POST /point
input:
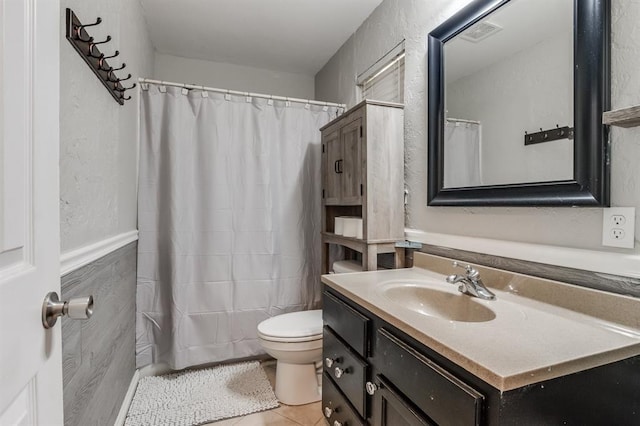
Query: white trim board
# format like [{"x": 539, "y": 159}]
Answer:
[
  {"x": 623, "y": 264},
  {"x": 75, "y": 259},
  {"x": 126, "y": 402}
]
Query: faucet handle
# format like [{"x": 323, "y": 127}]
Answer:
[
  {"x": 471, "y": 271},
  {"x": 458, "y": 265}
]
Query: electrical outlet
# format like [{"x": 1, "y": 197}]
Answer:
[
  {"x": 618, "y": 219},
  {"x": 617, "y": 234},
  {"x": 618, "y": 227}
]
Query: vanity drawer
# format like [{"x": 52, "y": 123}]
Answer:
[
  {"x": 348, "y": 323},
  {"x": 443, "y": 397},
  {"x": 335, "y": 407},
  {"x": 346, "y": 369}
]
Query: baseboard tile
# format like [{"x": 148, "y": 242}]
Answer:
[
  {"x": 126, "y": 403},
  {"x": 76, "y": 259}
]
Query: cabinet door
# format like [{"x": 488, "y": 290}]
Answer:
[
  {"x": 431, "y": 388},
  {"x": 392, "y": 409},
  {"x": 332, "y": 157},
  {"x": 351, "y": 166}
]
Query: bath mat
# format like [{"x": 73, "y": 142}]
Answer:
[{"x": 196, "y": 397}]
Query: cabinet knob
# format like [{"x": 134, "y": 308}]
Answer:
[
  {"x": 328, "y": 362},
  {"x": 337, "y": 423},
  {"x": 338, "y": 372},
  {"x": 328, "y": 412},
  {"x": 371, "y": 388}
]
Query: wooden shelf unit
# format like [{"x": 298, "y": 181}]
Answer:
[
  {"x": 363, "y": 176},
  {"x": 624, "y": 117}
]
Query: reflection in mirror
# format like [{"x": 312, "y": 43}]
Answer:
[
  {"x": 508, "y": 86},
  {"x": 488, "y": 88}
]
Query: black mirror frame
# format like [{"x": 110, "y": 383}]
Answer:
[{"x": 590, "y": 186}]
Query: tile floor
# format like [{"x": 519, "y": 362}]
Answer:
[{"x": 285, "y": 415}]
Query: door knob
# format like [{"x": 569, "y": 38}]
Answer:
[{"x": 77, "y": 308}]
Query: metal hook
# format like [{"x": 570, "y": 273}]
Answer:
[
  {"x": 123, "y": 89},
  {"x": 123, "y": 79},
  {"x": 126, "y": 98},
  {"x": 93, "y": 44},
  {"x": 89, "y": 40},
  {"x": 78, "y": 30},
  {"x": 98, "y": 22},
  {"x": 102, "y": 59},
  {"x": 111, "y": 76},
  {"x": 111, "y": 70}
]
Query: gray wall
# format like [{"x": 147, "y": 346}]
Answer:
[
  {"x": 234, "y": 77},
  {"x": 99, "y": 353},
  {"x": 98, "y": 137},
  {"x": 98, "y": 167},
  {"x": 412, "y": 20}
]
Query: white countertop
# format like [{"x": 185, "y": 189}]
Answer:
[{"x": 527, "y": 342}]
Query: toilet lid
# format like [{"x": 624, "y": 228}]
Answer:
[{"x": 294, "y": 324}]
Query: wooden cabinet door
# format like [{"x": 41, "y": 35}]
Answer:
[
  {"x": 331, "y": 176},
  {"x": 351, "y": 165},
  {"x": 392, "y": 409}
]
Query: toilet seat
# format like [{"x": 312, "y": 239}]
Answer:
[
  {"x": 293, "y": 327},
  {"x": 290, "y": 339}
]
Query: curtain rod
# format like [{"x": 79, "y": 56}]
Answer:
[{"x": 235, "y": 92}]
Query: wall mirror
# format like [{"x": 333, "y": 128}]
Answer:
[{"x": 517, "y": 89}]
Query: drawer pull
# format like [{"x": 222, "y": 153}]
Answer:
[
  {"x": 330, "y": 361},
  {"x": 371, "y": 388},
  {"x": 328, "y": 412},
  {"x": 339, "y": 372}
]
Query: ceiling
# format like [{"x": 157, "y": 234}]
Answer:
[{"x": 297, "y": 36}]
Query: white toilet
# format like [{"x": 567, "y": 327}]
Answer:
[{"x": 295, "y": 341}]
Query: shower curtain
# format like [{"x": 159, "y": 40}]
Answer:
[
  {"x": 229, "y": 221},
  {"x": 462, "y": 162}
]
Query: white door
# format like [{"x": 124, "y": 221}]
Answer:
[{"x": 30, "y": 356}]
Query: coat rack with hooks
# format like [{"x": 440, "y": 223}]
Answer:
[{"x": 88, "y": 49}]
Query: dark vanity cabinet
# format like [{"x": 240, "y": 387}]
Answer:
[
  {"x": 371, "y": 376},
  {"x": 375, "y": 374}
]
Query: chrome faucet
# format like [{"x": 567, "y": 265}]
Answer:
[{"x": 471, "y": 283}]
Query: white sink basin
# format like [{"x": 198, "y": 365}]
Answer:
[{"x": 426, "y": 299}]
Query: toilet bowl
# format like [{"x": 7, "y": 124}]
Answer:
[{"x": 295, "y": 341}]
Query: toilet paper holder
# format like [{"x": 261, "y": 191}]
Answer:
[{"x": 76, "y": 308}]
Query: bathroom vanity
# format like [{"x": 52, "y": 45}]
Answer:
[{"x": 405, "y": 347}]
